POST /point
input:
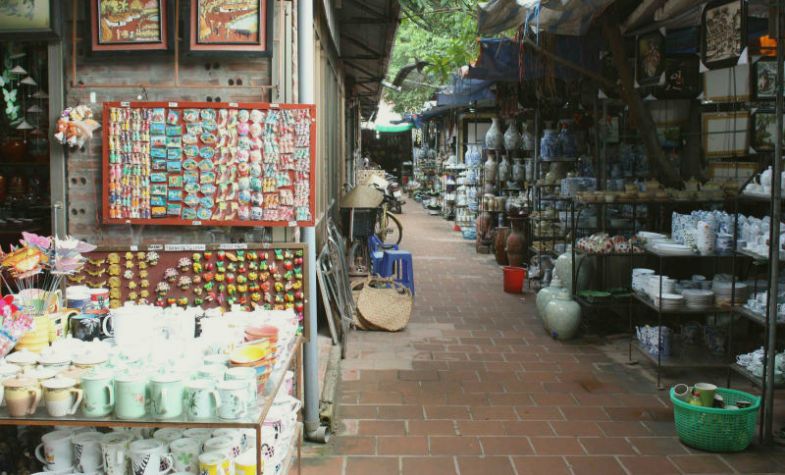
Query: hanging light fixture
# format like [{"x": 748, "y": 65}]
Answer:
[
  {"x": 18, "y": 70},
  {"x": 28, "y": 81},
  {"x": 24, "y": 125}
]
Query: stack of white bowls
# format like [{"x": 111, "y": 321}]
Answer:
[
  {"x": 657, "y": 285},
  {"x": 698, "y": 299},
  {"x": 669, "y": 302},
  {"x": 723, "y": 291}
]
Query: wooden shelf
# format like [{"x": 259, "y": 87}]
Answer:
[{"x": 694, "y": 358}]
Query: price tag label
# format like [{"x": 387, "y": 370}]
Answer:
[
  {"x": 234, "y": 104},
  {"x": 275, "y": 106},
  {"x": 172, "y": 104},
  {"x": 184, "y": 247},
  {"x": 134, "y": 248},
  {"x": 196, "y": 223},
  {"x": 292, "y": 224},
  {"x": 125, "y": 104},
  {"x": 233, "y": 246},
  {"x": 155, "y": 247}
]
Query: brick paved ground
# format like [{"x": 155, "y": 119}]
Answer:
[{"x": 474, "y": 386}]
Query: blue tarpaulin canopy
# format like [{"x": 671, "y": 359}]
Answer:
[
  {"x": 499, "y": 59},
  {"x": 465, "y": 91}
]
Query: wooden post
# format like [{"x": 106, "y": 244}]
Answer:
[{"x": 646, "y": 127}]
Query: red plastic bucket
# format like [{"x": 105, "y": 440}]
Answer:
[{"x": 514, "y": 277}]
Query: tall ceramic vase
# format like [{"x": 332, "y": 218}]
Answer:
[
  {"x": 516, "y": 243},
  {"x": 563, "y": 316},
  {"x": 473, "y": 156},
  {"x": 491, "y": 168},
  {"x": 500, "y": 245},
  {"x": 527, "y": 139},
  {"x": 494, "y": 138},
  {"x": 504, "y": 171},
  {"x": 512, "y": 138}
]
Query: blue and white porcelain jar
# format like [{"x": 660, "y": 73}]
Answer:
[{"x": 550, "y": 148}]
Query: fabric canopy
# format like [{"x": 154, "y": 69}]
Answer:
[
  {"x": 393, "y": 128},
  {"x": 464, "y": 92},
  {"x": 564, "y": 17}
]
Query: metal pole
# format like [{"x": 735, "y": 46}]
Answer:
[
  {"x": 305, "y": 59},
  {"x": 774, "y": 239}
]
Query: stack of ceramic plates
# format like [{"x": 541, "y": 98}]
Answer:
[
  {"x": 669, "y": 302},
  {"x": 724, "y": 292},
  {"x": 697, "y": 299},
  {"x": 639, "y": 276},
  {"x": 673, "y": 249}
]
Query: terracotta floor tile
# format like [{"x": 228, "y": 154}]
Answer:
[
  {"x": 700, "y": 464},
  {"x": 576, "y": 428},
  {"x": 447, "y": 412},
  {"x": 444, "y": 427},
  {"x": 557, "y": 446},
  {"x": 381, "y": 428},
  {"x": 658, "y": 445},
  {"x": 403, "y": 445},
  {"x": 355, "y": 445},
  {"x": 541, "y": 465},
  {"x": 375, "y": 465},
  {"x": 533, "y": 428},
  {"x": 440, "y": 445},
  {"x": 606, "y": 446},
  {"x": 428, "y": 466},
  {"x": 481, "y": 428},
  {"x": 649, "y": 465},
  {"x": 323, "y": 466},
  {"x": 595, "y": 465},
  {"x": 506, "y": 446},
  {"x": 485, "y": 466}
]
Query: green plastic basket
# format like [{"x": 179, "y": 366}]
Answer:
[{"x": 717, "y": 430}]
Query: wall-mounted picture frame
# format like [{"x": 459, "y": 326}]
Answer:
[
  {"x": 231, "y": 27},
  {"x": 682, "y": 78},
  {"x": 723, "y": 33},
  {"x": 649, "y": 58},
  {"x": 726, "y": 134},
  {"x": 728, "y": 84},
  {"x": 764, "y": 130},
  {"x": 764, "y": 77},
  {"x": 127, "y": 26},
  {"x": 30, "y": 19}
]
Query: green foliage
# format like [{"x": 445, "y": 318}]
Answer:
[{"x": 441, "y": 32}]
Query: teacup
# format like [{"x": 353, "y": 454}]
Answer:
[
  {"x": 22, "y": 395},
  {"x": 168, "y": 435},
  {"x": 98, "y": 388},
  {"x": 234, "y": 399},
  {"x": 87, "y": 451},
  {"x": 150, "y": 457},
  {"x": 185, "y": 453},
  {"x": 247, "y": 375},
  {"x": 214, "y": 463},
  {"x": 201, "y": 400},
  {"x": 61, "y": 396},
  {"x": 245, "y": 464},
  {"x": 166, "y": 394},
  {"x": 235, "y": 435},
  {"x": 55, "y": 450},
  {"x": 114, "y": 450},
  {"x": 130, "y": 396}
]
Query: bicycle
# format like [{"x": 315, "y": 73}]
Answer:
[{"x": 386, "y": 227}]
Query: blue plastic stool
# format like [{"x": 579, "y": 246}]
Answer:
[
  {"x": 376, "y": 249},
  {"x": 398, "y": 265}
]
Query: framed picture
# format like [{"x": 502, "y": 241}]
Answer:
[
  {"x": 29, "y": 19},
  {"x": 230, "y": 26},
  {"x": 137, "y": 25},
  {"x": 723, "y": 33},
  {"x": 726, "y": 134},
  {"x": 727, "y": 85},
  {"x": 649, "y": 59},
  {"x": 682, "y": 78},
  {"x": 764, "y": 130},
  {"x": 764, "y": 77}
]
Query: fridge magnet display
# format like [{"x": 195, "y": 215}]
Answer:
[
  {"x": 649, "y": 64},
  {"x": 723, "y": 31},
  {"x": 726, "y": 134},
  {"x": 764, "y": 130},
  {"x": 682, "y": 78},
  {"x": 29, "y": 19},
  {"x": 764, "y": 75},
  {"x": 230, "y": 26},
  {"x": 129, "y": 25},
  {"x": 255, "y": 167}
]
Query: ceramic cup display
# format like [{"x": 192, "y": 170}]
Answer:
[
  {"x": 200, "y": 435},
  {"x": 245, "y": 464},
  {"x": 150, "y": 457},
  {"x": 235, "y": 435},
  {"x": 247, "y": 375},
  {"x": 55, "y": 450},
  {"x": 114, "y": 452},
  {"x": 130, "y": 396},
  {"x": 61, "y": 396},
  {"x": 22, "y": 395},
  {"x": 85, "y": 327},
  {"x": 201, "y": 400},
  {"x": 129, "y": 325},
  {"x": 214, "y": 463},
  {"x": 168, "y": 435},
  {"x": 185, "y": 454},
  {"x": 234, "y": 399},
  {"x": 166, "y": 393},
  {"x": 224, "y": 445},
  {"x": 98, "y": 388},
  {"x": 87, "y": 452}
]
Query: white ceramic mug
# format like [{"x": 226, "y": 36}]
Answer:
[
  {"x": 185, "y": 454},
  {"x": 167, "y": 435},
  {"x": 87, "y": 452},
  {"x": 114, "y": 452},
  {"x": 150, "y": 457},
  {"x": 55, "y": 450},
  {"x": 131, "y": 325},
  {"x": 235, "y": 436},
  {"x": 248, "y": 376},
  {"x": 224, "y": 445},
  {"x": 200, "y": 435},
  {"x": 234, "y": 399},
  {"x": 61, "y": 396}
]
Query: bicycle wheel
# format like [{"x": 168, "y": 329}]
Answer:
[
  {"x": 392, "y": 233},
  {"x": 359, "y": 260}
]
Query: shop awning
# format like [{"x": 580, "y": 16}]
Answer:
[
  {"x": 465, "y": 91},
  {"x": 563, "y": 17},
  {"x": 393, "y": 129}
]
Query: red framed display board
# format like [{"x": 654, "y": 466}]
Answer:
[{"x": 209, "y": 164}]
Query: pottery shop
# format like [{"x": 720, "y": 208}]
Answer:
[{"x": 628, "y": 177}]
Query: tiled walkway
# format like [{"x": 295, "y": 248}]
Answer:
[{"x": 474, "y": 386}]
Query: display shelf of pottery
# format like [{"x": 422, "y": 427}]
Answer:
[
  {"x": 604, "y": 244},
  {"x": 752, "y": 365}
]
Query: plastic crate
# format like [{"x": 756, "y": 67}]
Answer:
[
  {"x": 363, "y": 224},
  {"x": 717, "y": 430}
]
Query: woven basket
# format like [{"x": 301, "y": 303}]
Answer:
[{"x": 383, "y": 304}]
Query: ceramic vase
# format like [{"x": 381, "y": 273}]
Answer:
[
  {"x": 516, "y": 243},
  {"x": 527, "y": 139},
  {"x": 512, "y": 138},
  {"x": 563, "y": 268},
  {"x": 494, "y": 138},
  {"x": 569, "y": 147},
  {"x": 549, "y": 145},
  {"x": 483, "y": 225},
  {"x": 504, "y": 170},
  {"x": 518, "y": 173},
  {"x": 500, "y": 244},
  {"x": 563, "y": 315},
  {"x": 473, "y": 156},
  {"x": 490, "y": 169},
  {"x": 544, "y": 297}
]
